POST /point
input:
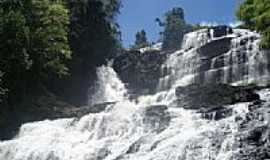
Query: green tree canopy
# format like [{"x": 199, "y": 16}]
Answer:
[
  {"x": 141, "y": 40},
  {"x": 174, "y": 28},
  {"x": 33, "y": 41},
  {"x": 2, "y": 89},
  {"x": 256, "y": 16}
]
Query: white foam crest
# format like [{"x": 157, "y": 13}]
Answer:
[
  {"x": 126, "y": 131},
  {"x": 109, "y": 87}
]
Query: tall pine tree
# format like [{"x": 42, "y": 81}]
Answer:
[
  {"x": 174, "y": 28},
  {"x": 141, "y": 40}
]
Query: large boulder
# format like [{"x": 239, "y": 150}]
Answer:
[
  {"x": 156, "y": 118},
  {"x": 215, "y": 48},
  {"x": 207, "y": 96},
  {"x": 254, "y": 133},
  {"x": 140, "y": 70},
  {"x": 211, "y": 99},
  {"x": 222, "y": 30}
]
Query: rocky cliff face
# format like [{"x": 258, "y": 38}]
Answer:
[
  {"x": 181, "y": 120},
  {"x": 141, "y": 69},
  {"x": 215, "y": 55}
]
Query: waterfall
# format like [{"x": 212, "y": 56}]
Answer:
[
  {"x": 234, "y": 58},
  {"x": 108, "y": 87},
  {"x": 127, "y": 132},
  {"x": 150, "y": 128}
]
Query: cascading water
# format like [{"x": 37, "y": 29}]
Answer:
[
  {"x": 233, "y": 58},
  {"x": 109, "y": 87},
  {"x": 152, "y": 128}
]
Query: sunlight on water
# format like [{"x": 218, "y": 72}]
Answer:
[{"x": 133, "y": 131}]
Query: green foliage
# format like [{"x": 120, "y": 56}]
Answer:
[
  {"x": 174, "y": 28},
  {"x": 37, "y": 37},
  {"x": 3, "y": 91},
  {"x": 49, "y": 40},
  {"x": 198, "y": 27},
  {"x": 256, "y": 16},
  {"x": 94, "y": 35},
  {"x": 141, "y": 40},
  {"x": 14, "y": 39},
  {"x": 33, "y": 43}
]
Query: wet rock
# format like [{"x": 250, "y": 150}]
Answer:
[
  {"x": 156, "y": 117},
  {"x": 211, "y": 99},
  {"x": 255, "y": 135},
  {"x": 97, "y": 108},
  {"x": 216, "y": 113},
  {"x": 223, "y": 30},
  {"x": 141, "y": 71},
  {"x": 215, "y": 48},
  {"x": 210, "y": 96},
  {"x": 135, "y": 146}
]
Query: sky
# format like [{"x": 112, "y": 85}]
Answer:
[{"x": 141, "y": 14}]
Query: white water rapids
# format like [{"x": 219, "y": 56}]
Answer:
[
  {"x": 126, "y": 132},
  {"x": 122, "y": 133}
]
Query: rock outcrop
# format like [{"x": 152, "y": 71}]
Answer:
[
  {"x": 254, "y": 133},
  {"x": 44, "y": 107},
  {"x": 140, "y": 70},
  {"x": 157, "y": 118},
  {"x": 215, "y": 55},
  {"x": 211, "y": 99},
  {"x": 207, "y": 96}
]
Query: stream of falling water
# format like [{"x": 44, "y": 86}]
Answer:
[
  {"x": 127, "y": 132},
  {"x": 152, "y": 128}
]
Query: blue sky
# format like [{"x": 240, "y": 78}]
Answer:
[{"x": 140, "y": 14}]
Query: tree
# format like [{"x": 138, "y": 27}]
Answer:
[
  {"x": 14, "y": 39},
  {"x": 33, "y": 43},
  {"x": 255, "y": 15},
  {"x": 174, "y": 28},
  {"x": 94, "y": 37},
  {"x": 3, "y": 91},
  {"x": 94, "y": 34},
  {"x": 49, "y": 23},
  {"x": 141, "y": 40}
]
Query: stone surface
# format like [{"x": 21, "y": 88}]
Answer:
[
  {"x": 216, "y": 55},
  {"x": 141, "y": 71},
  {"x": 216, "y": 113},
  {"x": 211, "y": 99},
  {"x": 254, "y": 133},
  {"x": 156, "y": 117},
  {"x": 46, "y": 107},
  {"x": 215, "y": 48},
  {"x": 209, "y": 96},
  {"x": 219, "y": 31}
]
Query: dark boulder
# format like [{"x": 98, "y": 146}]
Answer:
[
  {"x": 141, "y": 71},
  {"x": 216, "y": 113},
  {"x": 215, "y": 48},
  {"x": 223, "y": 30},
  {"x": 198, "y": 96},
  {"x": 254, "y": 133},
  {"x": 156, "y": 118},
  {"x": 210, "y": 99}
]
